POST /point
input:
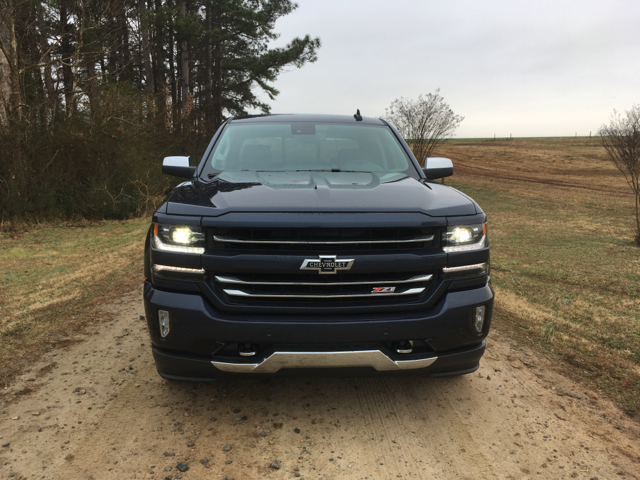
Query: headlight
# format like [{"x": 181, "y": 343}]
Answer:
[
  {"x": 178, "y": 238},
  {"x": 462, "y": 238}
]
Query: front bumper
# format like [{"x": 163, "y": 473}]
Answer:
[
  {"x": 195, "y": 346},
  {"x": 175, "y": 366}
]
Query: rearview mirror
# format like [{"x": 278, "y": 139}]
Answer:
[
  {"x": 437, "y": 167},
  {"x": 178, "y": 167}
]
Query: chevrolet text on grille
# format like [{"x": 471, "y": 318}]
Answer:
[{"x": 327, "y": 264}]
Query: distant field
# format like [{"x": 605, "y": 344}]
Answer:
[
  {"x": 503, "y": 138},
  {"x": 563, "y": 262}
]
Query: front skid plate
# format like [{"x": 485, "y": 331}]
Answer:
[{"x": 358, "y": 358}]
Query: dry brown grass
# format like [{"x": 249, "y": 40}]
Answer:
[
  {"x": 564, "y": 265},
  {"x": 50, "y": 275}
]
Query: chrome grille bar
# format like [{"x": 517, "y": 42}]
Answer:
[
  {"x": 418, "y": 278},
  {"x": 219, "y": 238},
  {"x": 240, "y": 293}
]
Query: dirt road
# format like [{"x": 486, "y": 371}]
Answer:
[{"x": 97, "y": 409}]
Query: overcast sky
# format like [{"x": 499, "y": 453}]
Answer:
[{"x": 527, "y": 68}]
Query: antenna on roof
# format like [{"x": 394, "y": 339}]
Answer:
[{"x": 357, "y": 116}]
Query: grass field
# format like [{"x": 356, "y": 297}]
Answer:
[
  {"x": 564, "y": 266},
  {"x": 563, "y": 262}
]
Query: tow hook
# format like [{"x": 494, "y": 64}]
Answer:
[
  {"x": 246, "y": 349},
  {"x": 404, "y": 346}
]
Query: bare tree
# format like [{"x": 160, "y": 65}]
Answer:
[
  {"x": 621, "y": 140},
  {"x": 424, "y": 122}
]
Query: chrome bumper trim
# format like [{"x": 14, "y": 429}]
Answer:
[
  {"x": 220, "y": 238},
  {"x": 240, "y": 293},
  {"x": 359, "y": 358},
  {"x": 418, "y": 278}
]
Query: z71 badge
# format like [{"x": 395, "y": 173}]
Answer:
[{"x": 383, "y": 290}]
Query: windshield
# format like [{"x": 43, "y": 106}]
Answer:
[{"x": 308, "y": 146}]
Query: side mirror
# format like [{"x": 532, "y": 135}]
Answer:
[
  {"x": 178, "y": 167},
  {"x": 437, "y": 167}
]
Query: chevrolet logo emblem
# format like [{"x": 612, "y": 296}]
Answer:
[{"x": 327, "y": 264}]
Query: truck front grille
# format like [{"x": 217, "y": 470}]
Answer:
[
  {"x": 324, "y": 240},
  {"x": 265, "y": 267}
]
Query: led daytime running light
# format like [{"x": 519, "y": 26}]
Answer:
[
  {"x": 167, "y": 268},
  {"x": 477, "y": 266}
]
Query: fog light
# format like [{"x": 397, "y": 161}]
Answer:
[
  {"x": 163, "y": 320},
  {"x": 479, "y": 318}
]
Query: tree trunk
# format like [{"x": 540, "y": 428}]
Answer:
[
  {"x": 92, "y": 89},
  {"x": 67, "y": 53},
  {"x": 208, "y": 82},
  {"x": 146, "y": 49},
  {"x": 5, "y": 84},
  {"x": 52, "y": 98},
  {"x": 217, "y": 76},
  {"x": 10, "y": 95},
  {"x": 159, "y": 78},
  {"x": 183, "y": 81},
  {"x": 124, "y": 52},
  {"x": 34, "y": 95},
  {"x": 172, "y": 73}
]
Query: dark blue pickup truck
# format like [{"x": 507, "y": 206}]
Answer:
[{"x": 315, "y": 242}]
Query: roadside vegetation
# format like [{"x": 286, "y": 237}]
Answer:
[
  {"x": 563, "y": 258},
  {"x": 94, "y": 94}
]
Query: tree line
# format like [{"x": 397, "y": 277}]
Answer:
[{"x": 94, "y": 93}]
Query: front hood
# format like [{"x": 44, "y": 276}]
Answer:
[{"x": 316, "y": 192}]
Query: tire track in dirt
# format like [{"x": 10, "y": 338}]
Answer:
[
  {"x": 449, "y": 443},
  {"x": 463, "y": 167},
  {"x": 463, "y": 445},
  {"x": 384, "y": 426}
]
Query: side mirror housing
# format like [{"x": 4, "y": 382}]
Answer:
[
  {"x": 178, "y": 167},
  {"x": 437, "y": 167}
]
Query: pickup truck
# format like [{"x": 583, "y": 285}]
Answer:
[{"x": 302, "y": 243}]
